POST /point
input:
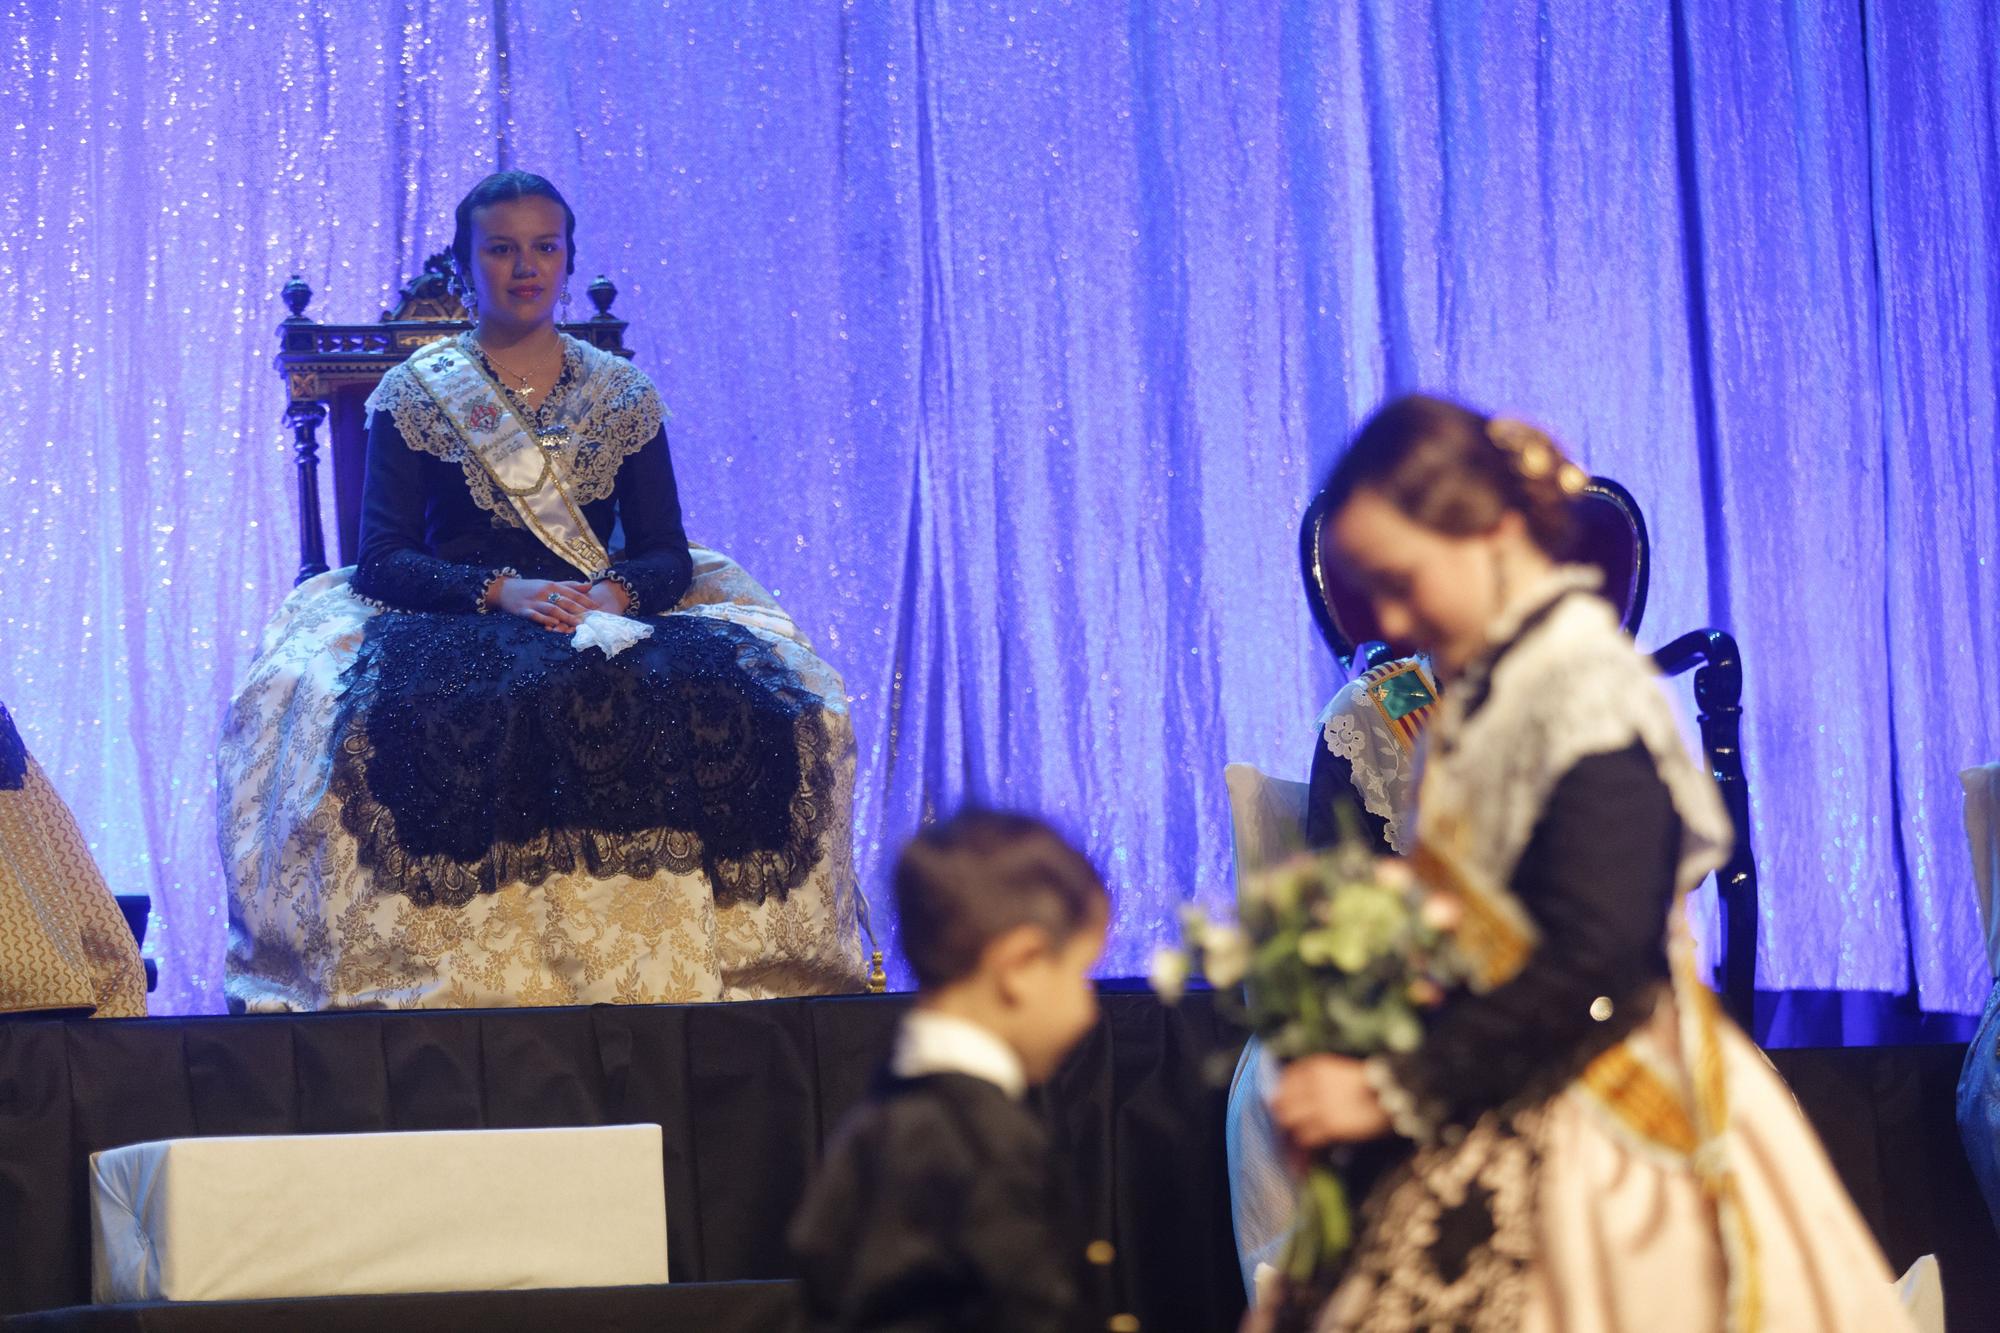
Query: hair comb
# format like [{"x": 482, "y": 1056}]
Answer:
[{"x": 1534, "y": 456}]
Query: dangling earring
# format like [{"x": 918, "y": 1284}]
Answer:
[
  {"x": 469, "y": 301},
  {"x": 565, "y": 301}
]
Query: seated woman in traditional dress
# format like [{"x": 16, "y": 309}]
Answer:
[
  {"x": 1362, "y": 783},
  {"x": 494, "y": 765},
  {"x": 64, "y": 945},
  {"x": 1593, "y": 1143}
]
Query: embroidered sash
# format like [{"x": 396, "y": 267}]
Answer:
[
  {"x": 1405, "y": 696},
  {"x": 528, "y": 474}
]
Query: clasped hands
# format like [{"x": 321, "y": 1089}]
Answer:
[
  {"x": 560, "y": 606},
  {"x": 1323, "y": 1100}
]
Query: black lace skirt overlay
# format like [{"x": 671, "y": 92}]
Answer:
[
  {"x": 13, "y": 754},
  {"x": 1449, "y": 1238},
  {"x": 474, "y": 752}
]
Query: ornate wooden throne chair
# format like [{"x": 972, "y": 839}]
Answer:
[
  {"x": 1612, "y": 537},
  {"x": 330, "y": 369}
]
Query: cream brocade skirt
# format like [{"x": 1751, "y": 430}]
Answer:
[
  {"x": 309, "y": 930},
  {"x": 1622, "y": 1236}
]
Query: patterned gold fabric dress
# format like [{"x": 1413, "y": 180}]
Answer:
[{"x": 63, "y": 942}]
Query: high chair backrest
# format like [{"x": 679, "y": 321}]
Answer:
[
  {"x": 1611, "y": 534},
  {"x": 330, "y": 369}
]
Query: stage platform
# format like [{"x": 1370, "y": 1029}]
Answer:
[
  {"x": 695, "y": 1307},
  {"x": 747, "y": 1094}
]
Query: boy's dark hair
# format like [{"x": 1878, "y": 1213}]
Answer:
[
  {"x": 1448, "y": 468},
  {"x": 497, "y": 189},
  {"x": 967, "y": 880}
]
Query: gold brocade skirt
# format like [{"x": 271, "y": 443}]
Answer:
[
  {"x": 63, "y": 942},
  {"x": 311, "y": 929}
]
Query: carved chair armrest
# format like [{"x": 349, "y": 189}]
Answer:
[
  {"x": 1720, "y": 682},
  {"x": 1718, "y": 692}
]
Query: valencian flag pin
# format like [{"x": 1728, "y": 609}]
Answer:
[{"x": 1406, "y": 696}]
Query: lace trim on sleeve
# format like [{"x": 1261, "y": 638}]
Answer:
[
  {"x": 482, "y": 606},
  {"x": 617, "y": 576},
  {"x": 1409, "y": 1115}
]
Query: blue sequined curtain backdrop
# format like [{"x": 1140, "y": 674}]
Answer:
[{"x": 1005, "y": 341}]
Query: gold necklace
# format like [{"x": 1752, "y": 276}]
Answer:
[{"x": 527, "y": 388}]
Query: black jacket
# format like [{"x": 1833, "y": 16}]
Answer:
[{"x": 940, "y": 1206}]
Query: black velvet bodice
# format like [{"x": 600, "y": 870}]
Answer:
[
  {"x": 1597, "y": 876},
  {"x": 427, "y": 546}
]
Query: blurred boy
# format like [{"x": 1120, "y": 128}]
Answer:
[{"x": 939, "y": 1205}]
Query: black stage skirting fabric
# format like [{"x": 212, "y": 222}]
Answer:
[
  {"x": 700, "y": 1307},
  {"x": 747, "y": 1093},
  {"x": 1888, "y": 1118}
]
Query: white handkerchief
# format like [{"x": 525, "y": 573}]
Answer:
[{"x": 614, "y": 634}]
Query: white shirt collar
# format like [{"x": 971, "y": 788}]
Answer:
[{"x": 933, "y": 1043}]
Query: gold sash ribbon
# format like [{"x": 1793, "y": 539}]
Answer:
[{"x": 526, "y": 472}]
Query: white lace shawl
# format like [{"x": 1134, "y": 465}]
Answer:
[
  {"x": 1385, "y": 771},
  {"x": 609, "y": 405},
  {"x": 1573, "y": 687}
]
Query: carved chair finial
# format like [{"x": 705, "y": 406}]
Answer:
[
  {"x": 297, "y": 296},
  {"x": 430, "y": 297},
  {"x": 602, "y": 293}
]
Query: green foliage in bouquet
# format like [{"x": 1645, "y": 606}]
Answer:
[{"x": 1337, "y": 953}]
